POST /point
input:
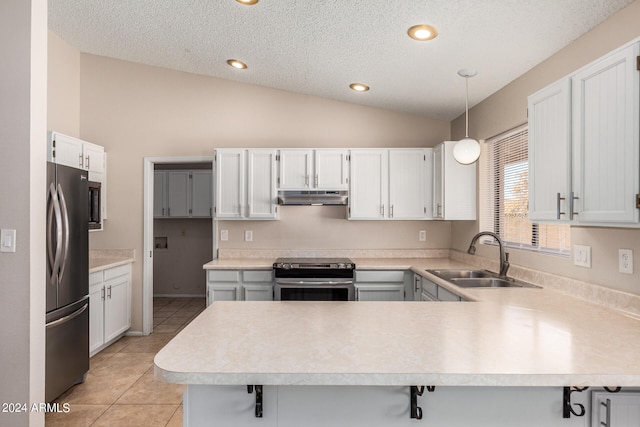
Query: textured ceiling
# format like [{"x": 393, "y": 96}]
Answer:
[{"x": 320, "y": 47}]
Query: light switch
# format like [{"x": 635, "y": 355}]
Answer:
[
  {"x": 248, "y": 236},
  {"x": 7, "y": 240},
  {"x": 224, "y": 235}
]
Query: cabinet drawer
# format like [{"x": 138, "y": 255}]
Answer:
[
  {"x": 379, "y": 276},
  {"x": 223, "y": 276},
  {"x": 257, "y": 276},
  {"x": 112, "y": 273},
  {"x": 447, "y": 295},
  {"x": 95, "y": 278}
]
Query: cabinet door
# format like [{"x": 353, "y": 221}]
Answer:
[
  {"x": 331, "y": 170},
  {"x": 368, "y": 193},
  {"x": 295, "y": 170},
  {"x": 223, "y": 293},
  {"x": 256, "y": 292},
  {"x": 550, "y": 153},
  {"x": 117, "y": 307},
  {"x": 179, "y": 193},
  {"x": 615, "y": 409},
  {"x": 605, "y": 139},
  {"x": 261, "y": 180},
  {"x": 93, "y": 157},
  {"x": 201, "y": 193},
  {"x": 230, "y": 183},
  {"x": 438, "y": 195},
  {"x": 96, "y": 317},
  {"x": 160, "y": 205},
  {"x": 407, "y": 183},
  {"x": 66, "y": 150},
  {"x": 447, "y": 295}
]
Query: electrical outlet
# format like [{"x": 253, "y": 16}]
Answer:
[
  {"x": 8, "y": 241},
  {"x": 625, "y": 261},
  {"x": 582, "y": 256},
  {"x": 224, "y": 235},
  {"x": 422, "y": 235},
  {"x": 248, "y": 236}
]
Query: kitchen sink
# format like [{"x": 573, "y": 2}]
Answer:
[
  {"x": 479, "y": 279},
  {"x": 462, "y": 274},
  {"x": 490, "y": 282}
]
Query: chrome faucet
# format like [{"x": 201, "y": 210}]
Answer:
[{"x": 504, "y": 257}]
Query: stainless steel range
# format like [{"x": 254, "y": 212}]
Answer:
[{"x": 314, "y": 279}]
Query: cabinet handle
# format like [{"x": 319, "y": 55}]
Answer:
[
  {"x": 391, "y": 211},
  {"x": 558, "y": 213},
  {"x": 109, "y": 292},
  {"x": 80, "y": 160},
  {"x": 572, "y": 197},
  {"x": 438, "y": 210},
  {"x": 306, "y": 180},
  {"x": 102, "y": 293},
  {"x": 416, "y": 280},
  {"x": 88, "y": 167},
  {"x": 607, "y": 405},
  {"x": 316, "y": 180},
  {"x": 382, "y": 210}
]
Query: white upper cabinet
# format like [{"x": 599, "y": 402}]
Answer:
[
  {"x": 69, "y": 151},
  {"x": 584, "y": 144},
  {"x": 389, "y": 183},
  {"x": 179, "y": 194},
  {"x": 313, "y": 169},
  {"x": 550, "y": 152},
  {"x": 454, "y": 185},
  {"x": 245, "y": 184},
  {"x": 368, "y": 190},
  {"x": 160, "y": 202},
  {"x": 606, "y": 156}
]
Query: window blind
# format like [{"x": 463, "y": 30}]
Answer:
[{"x": 504, "y": 204}]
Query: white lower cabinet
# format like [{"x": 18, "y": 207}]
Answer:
[
  {"x": 380, "y": 285},
  {"x": 109, "y": 306},
  {"x": 239, "y": 285},
  {"x": 430, "y": 291}
]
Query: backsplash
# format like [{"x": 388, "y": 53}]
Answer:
[{"x": 332, "y": 253}]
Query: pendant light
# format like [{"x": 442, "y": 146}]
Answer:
[{"x": 467, "y": 150}]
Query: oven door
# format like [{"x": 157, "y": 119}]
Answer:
[{"x": 314, "y": 290}]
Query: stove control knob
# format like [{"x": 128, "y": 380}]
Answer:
[
  {"x": 286, "y": 266},
  {"x": 342, "y": 265}
]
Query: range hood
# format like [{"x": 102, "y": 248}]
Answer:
[{"x": 308, "y": 198}]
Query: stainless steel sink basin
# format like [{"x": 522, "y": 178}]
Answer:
[
  {"x": 479, "y": 279},
  {"x": 462, "y": 274},
  {"x": 490, "y": 282}
]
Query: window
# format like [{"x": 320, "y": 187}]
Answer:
[{"x": 504, "y": 204}]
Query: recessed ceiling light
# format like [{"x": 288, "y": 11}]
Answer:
[
  {"x": 422, "y": 32},
  {"x": 248, "y": 2},
  {"x": 359, "y": 87},
  {"x": 236, "y": 64}
]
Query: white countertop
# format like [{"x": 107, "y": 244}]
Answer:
[{"x": 506, "y": 337}]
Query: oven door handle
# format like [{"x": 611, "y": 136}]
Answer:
[{"x": 314, "y": 282}]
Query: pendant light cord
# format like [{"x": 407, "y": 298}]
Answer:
[{"x": 466, "y": 133}]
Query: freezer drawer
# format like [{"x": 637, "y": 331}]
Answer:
[{"x": 67, "y": 348}]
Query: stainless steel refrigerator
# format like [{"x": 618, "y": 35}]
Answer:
[{"x": 67, "y": 281}]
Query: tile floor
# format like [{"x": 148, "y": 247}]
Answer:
[{"x": 120, "y": 389}]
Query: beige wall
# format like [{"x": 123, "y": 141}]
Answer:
[
  {"x": 23, "y": 115},
  {"x": 63, "y": 95},
  {"x": 138, "y": 111},
  {"x": 507, "y": 108},
  {"x": 177, "y": 270}
]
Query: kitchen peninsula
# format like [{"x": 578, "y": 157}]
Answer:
[{"x": 502, "y": 358}]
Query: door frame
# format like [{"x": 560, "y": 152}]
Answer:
[{"x": 147, "y": 263}]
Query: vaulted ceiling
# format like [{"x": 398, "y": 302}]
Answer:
[{"x": 321, "y": 47}]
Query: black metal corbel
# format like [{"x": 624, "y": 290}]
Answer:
[
  {"x": 415, "y": 391},
  {"x": 567, "y": 410},
  {"x": 258, "y": 388}
]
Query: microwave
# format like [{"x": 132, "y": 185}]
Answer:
[{"x": 95, "y": 219}]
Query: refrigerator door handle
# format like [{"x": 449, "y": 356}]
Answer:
[
  {"x": 65, "y": 229},
  {"x": 69, "y": 317},
  {"x": 54, "y": 258}
]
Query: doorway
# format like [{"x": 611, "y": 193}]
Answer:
[{"x": 173, "y": 237}]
